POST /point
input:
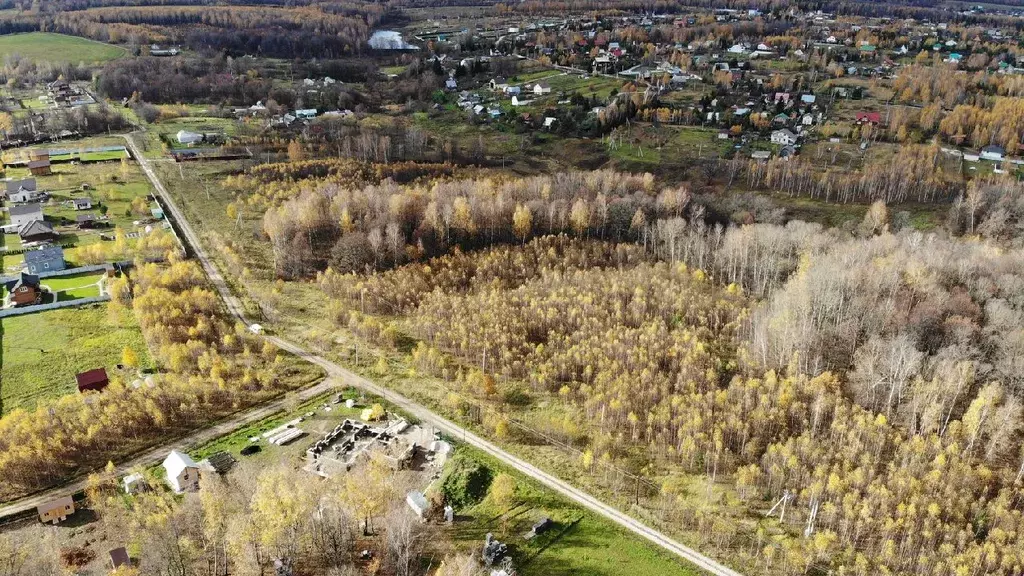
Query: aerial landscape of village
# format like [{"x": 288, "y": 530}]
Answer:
[{"x": 511, "y": 288}]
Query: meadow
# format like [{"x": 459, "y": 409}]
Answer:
[
  {"x": 58, "y": 48},
  {"x": 42, "y": 352},
  {"x": 580, "y": 542}
]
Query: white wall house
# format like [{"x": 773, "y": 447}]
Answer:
[
  {"x": 783, "y": 137},
  {"x": 25, "y": 213},
  {"x": 182, "y": 472},
  {"x": 993, "y": 152}
]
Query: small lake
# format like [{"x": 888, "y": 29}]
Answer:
[{"x": 389, "y": 40}]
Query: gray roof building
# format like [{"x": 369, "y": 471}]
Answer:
[{"x": 49, "y": 259}]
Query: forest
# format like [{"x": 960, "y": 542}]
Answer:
[{"x": 866, "y": 379}]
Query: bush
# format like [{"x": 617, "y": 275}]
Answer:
[{"x": 465, "y": 482}]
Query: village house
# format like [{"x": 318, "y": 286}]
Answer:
[
  {"x": 56, "y": 511},
  {"x": 22, "y": 215},
  {"x": 25, "y": 196},
  {"x": 37, "y": 231},
  {"x": 784, "y": 137},
  {"x": 94, "y": 380},
  {"x": 869, "y": 118},
  {"x": 82, "y": 203},
  {"x": 14, "y": 187},
  {"x": 49, "y": 259},
  {"x": 993, "y": 152},
  {"x": 26, "y": 290},
  {"x": 86, "y": 221},
  {"x": 182, "y": 472},
  {"x": 541, "y": 88}
]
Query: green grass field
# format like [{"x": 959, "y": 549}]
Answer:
[
  {"x": 75, "y": 286},
  {"x": 42, "y": 352},
  {"x": 579, "y": 543},
  {"x": 58, "y": 48}
]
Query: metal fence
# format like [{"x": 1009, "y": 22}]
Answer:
[
  {"x": 52, "y": 306},
  {"x": 65, "y": 272}
]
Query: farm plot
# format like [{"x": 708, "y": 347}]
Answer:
[{"x": 42, "y": 352}]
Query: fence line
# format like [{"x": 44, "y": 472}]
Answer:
[
  {"x": 52, "y": 306},
  {"x": 65, "y": 272}
]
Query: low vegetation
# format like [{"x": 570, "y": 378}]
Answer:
[{"x": 42, "y": 352}]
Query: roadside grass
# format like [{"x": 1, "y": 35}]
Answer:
[
  {"x": 43, "y": 351},
  {"x": 59, "y": 48},
  {"x": 235, "y": 441},
  {"x": 580, "y": 542}
]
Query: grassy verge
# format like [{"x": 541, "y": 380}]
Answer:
[{"x": 580, "y": 542}]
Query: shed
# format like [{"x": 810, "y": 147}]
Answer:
[
  {"x": 95, "y": 380},
  {"x": 119, "y": 557},
  {"x": 134, "y": 483},
  {"x": 418, "y": 502}
]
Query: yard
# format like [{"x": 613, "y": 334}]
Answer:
[
  {"x": 75, "y": 286},
  {"x": 58, "y": 48},
  {"x": 42, "y": 352}
]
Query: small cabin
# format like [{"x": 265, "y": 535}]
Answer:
[{"x": 56, "y": 511}]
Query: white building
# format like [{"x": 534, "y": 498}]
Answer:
[
  {"x": 25, "y": 213},
  {"x": 993, "y": 153},
  {"x": 182, "y": 472},
  {"x": 784, "y": 137},
  {"x": 134, "y": 483},
  {"x": 188, "y": 138},
  {"x": 418, "y": 502}
]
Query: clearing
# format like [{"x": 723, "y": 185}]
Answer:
[
  {"x": 58, "y": 48},
  {"x": 42, "y": 352}
]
